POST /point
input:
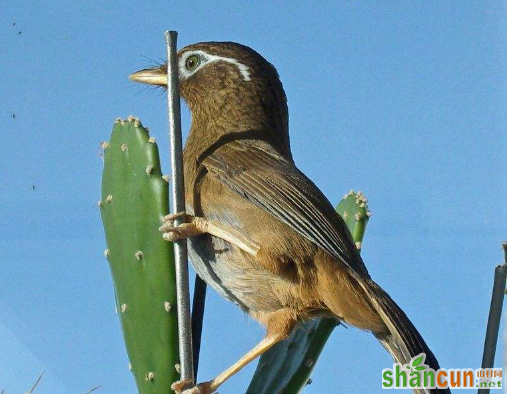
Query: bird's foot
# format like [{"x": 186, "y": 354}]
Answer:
[
  {"x": 195, "y": 225},
  {"x": 181, "y": 387},
  {"x": 184, "y": 230}
]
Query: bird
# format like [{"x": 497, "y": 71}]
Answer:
[{"x": 259, "y": 231}]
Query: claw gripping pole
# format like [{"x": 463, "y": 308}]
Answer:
[{"x": 178, "y": 205}]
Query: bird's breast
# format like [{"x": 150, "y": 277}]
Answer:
[{"x": 233, "y": 275}]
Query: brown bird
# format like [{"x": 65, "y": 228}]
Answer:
[{"x": 259, "y": 231}]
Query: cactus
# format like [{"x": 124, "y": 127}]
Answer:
[
  {"x": 134, "y": 201},
  {"x": 286, "y": 368}
]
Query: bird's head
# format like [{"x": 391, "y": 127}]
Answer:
[{"x": 229, "y": 86}]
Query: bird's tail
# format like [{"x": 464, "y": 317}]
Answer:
[{"x": 403, "y": 341}]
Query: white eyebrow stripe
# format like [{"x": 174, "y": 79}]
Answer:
[{"x": 208, "y": 58}]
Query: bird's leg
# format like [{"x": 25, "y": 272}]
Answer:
[
  {"x": 197, "y": 225},
  {"x": 280, "y": 325}
]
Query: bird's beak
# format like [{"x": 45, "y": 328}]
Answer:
[{"x": 151, "y": 76}]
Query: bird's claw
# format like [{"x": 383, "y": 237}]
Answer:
[
  {"x": 172, "y": 216},
  {"x": 181, "y": 387},
  {"x": 182, "y": 231},
  {"x": 174, "y": 232}
]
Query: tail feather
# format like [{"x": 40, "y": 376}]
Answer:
[{"x": 403, "y": 341}]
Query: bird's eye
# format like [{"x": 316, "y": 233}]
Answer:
[{"x": 192, "y": 62}]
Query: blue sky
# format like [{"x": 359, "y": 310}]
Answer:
[{"x": 405, "y": 100}]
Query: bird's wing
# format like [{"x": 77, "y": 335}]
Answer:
[{"x": 256, "y": 171}]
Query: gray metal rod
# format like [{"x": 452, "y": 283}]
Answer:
[
  {"x": 178, "y": 205},
  {"x": 495, "y": 314}
]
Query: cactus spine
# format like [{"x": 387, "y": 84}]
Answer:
[
  {"x": 286, "y": 368},
  {"x": 134, "y": 201}
]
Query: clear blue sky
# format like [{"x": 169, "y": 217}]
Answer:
[{"x": 405, "y": 100}]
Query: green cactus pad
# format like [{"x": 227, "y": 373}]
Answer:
[
  {"x": 286, "y": 368},
  {"x": 134, "y": 202}
]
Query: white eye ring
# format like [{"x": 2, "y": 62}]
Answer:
[{"x": 206, "y": 58}]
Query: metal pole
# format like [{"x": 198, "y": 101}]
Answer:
[
  {"x": 178, "y": 205},
  {"x": 495, "y": 314}
]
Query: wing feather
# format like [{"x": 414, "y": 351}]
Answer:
[{"x": 256, "y": 171}]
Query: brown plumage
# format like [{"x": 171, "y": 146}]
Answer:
[{"x": 241, "y": 184}]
